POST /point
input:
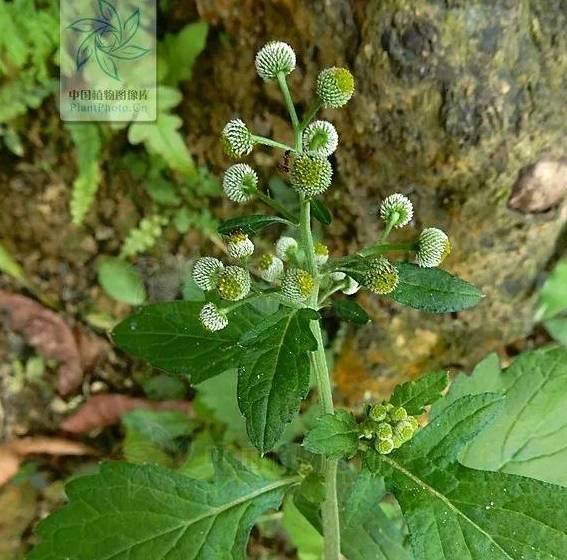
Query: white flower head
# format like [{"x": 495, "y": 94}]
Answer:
[
  {"x": 397, "y": 209},
  {"x": 237, "y": 139},
  {"x": 234, "y": 283},
  {"x": 381, "y": 276},
  {"x": 297, "y": 284},
  {"x": 335, "y": 86},
  {"x": 320, "y": 138},
  {"x": 311, "y": 175},
  {"x": 212, "y": 318},
  {"x": 351, "y": 287},
  {"x": 321, "y": 254},
  {"x": 273, "y": 58},
  {"x": 206, "y": 273},
  {"x": 240, "y": 183},
  {"x": 238, "y": 245},
  {"x": 286, "y": 247},
  {"x": 433, "y": 247},
  {"x": 270, "y": 267}
]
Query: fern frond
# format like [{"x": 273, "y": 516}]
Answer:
[{"x": 144, "y": 236}]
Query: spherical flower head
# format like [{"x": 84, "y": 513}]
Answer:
[
  {"x": 433, "y": 248},
  {"x": 286, "y": 247},
  {"x": 321, "y": 253},
  {"x": 238, "y": 245},
  {"x": 381, "y": 276},
  {"x": 337, "y": 276},
  {"x": 384, "y": 446},
  {"x": 234, "y": 283},
  {"x": 273, "y": 58},
  {"x": 270, "y": 267},
  {"x": 398, "y": 414},
  {"x": 414, "y": 423},
  {"x": 320, "y": 138},
  {"x": 297, "y": 284},
  {"x": 351, "y": 287},
  {"x": 397, "y": 440},
  {"x": 335, "y": 86},
  {"x": 212, "y": 318},
  {"x": 206, "y": 273},
  {"x": 237, "y": 139},
  {"x": 404, "y": 430},
  {"x": 396, "y": 209},
  {"x": 378, "y": 412},
  {"x": 240, "y": 183},
  {"x": 311, "y": 175},
  {"x": 384, "y": 430}
]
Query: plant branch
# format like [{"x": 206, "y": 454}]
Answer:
[
  {"x": 289, "y": 103},
  {"x": 311, "y": 112},
  {"x": 380, "y": 247},
  {"x": 272, "y": 143}
]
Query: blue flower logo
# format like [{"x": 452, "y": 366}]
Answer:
[{"x": 108, "y": 39}]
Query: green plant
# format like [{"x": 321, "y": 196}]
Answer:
[{"x": 265, "y": 320}]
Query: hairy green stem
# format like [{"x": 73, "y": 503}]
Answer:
[
  {"x": 311, "y": 112},
  {"x": 289, "y": 103},
  {"x": 272, "y": 143}
]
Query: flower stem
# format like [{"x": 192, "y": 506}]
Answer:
[
  {"x": 311, "y": 112},
  {"x": 270, "y": 142},
  {"x": 289, "y": 103},
  {"x": 380, "y": 247}
]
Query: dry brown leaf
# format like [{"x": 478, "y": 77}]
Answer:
[
  {"x": 101, "y": 411},
  {"x": 14, "y": 452},
  {"x": 48, "y": 334}
]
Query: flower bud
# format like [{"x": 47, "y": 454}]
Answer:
[
  {"x": 397, "y": 440},
  {"x": 398, "y": 414},
  {"x": 311, "y": 175},
  {"x": 337, "y": 276},
  {"x": 234, "y": 283},
  {"x": 433, "y": 248},
  {"x": 238, "y": 245},
  {"x": 378, "y": 412},
  {"x": 352, "y": 287},
  {"x": 367, "y": 429},
  {"x": 384, "y": 430},
  {"x": 240, "y": 183},
  {"x": 297, "y": 284},
  {"x": 384, "y": 446},
  {"x": 270, "y": 267},
  {"x": 212, "y": 318},
  {"x": 414, "y": 422},
  {"x": 404, "y": 430},
  {"x": 381, "y": 276},
  {"x": 320, "y": 139},
  {"x": 274, "y": 57},
  {"x": 206, "y": 273},
  {"x": 396, "y": 209},
  {"x": 286, "y": 247},
  {"x": 237, "y": 139},
  {"x": 335, "y": 86},
  {"x": 321, "y": 254}
]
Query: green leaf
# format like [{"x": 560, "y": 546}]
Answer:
[
  {"x": 181, "y": 50},
  {"x": 349, "y": 310},
  {"x": 302, "y": 534},
  {"x": 334, "y": 435},
  {"x": 553, "y": 295},
  {"x": 273, "y": 377},
  {"x": 10, "y": 266},
  {"x": 416, "y": 394},
  {"x": 528, "y": 438},
  {"x": 456, "y": 512},
  {"x": 320, "y": 212},
  {"x": 250, "y": 224},
  {"x": 88, "y": 145},
  {"x": 121, "y": 281},
  {"x": 557, "y": 328},
  {"x": 433, "y": 290},
  {"x": 162, "y": 136},
  {"x": 170, "y": 336},
  {"x": 130, "y": 512}
]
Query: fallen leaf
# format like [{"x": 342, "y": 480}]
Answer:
[
  {"x": 92, "y": 349},
  {"x": 14, "y": 452},
  {"x": 105, "y": 410},
  {"x": 48, "y": 334}
]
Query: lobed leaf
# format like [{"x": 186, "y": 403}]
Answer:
[
  {"x": 433, "y": 290},
  {"x": 334, "y": 435},
  {"x": 128, "y": 512},
  {"x": 273, "y": 377}
]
